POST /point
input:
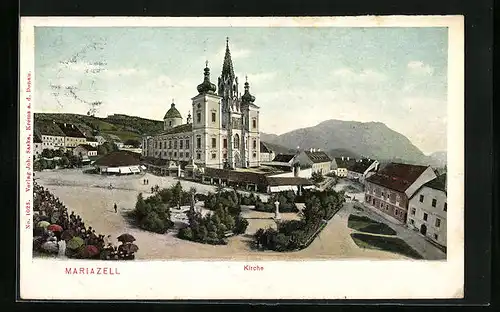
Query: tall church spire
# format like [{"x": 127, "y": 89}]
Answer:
[{"x": 227, "y": 67}]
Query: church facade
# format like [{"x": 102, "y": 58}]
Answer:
[{"x": 223, "y": 131}]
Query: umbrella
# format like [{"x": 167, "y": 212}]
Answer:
[
  {"x": 126, "y": 238},
  {"x": 89, "y": 251},
  {"x": 55, "y": 228},
  {"x": 43, "y": 224},
  {"x": 130, "y": 248},
  {"x": 51, "y": 247},
  {"x": 67, "y": 235},
  {"x": 75, "y": 243}
]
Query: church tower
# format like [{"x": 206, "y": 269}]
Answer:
[
  {"x": 232, "y": 115},
  {"x": 250, "y": 116},
  {"x": 206, "y": 124}
]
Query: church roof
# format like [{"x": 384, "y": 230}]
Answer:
[
  {"x": 172, "y": 112},
  {"x": 178, "y": 129}
]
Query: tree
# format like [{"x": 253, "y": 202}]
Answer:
[
  {"x": 177, "y": 194},
  {"x": 102, "y": 150},
  {"x": 47, "y": 153},
  {"x": 64, "y": 162},
  {"x": 317, "y": 177}
]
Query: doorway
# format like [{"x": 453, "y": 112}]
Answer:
[{"x": 423, "y": 229}]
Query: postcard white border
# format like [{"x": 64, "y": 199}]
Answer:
[{"x": 336, "y": 279}]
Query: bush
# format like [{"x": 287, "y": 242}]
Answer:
[{"x": 392, "y": 244}]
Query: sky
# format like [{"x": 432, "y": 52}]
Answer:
[{"x": 299, "y": 76}]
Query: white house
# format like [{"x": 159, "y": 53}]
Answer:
[
  {"x": 85, "y": 150},
  {"x": 316, "y": 159},
  {"x": 341, "y": 164},
  {"x": 427, "y": 210},
  {"x": 51, "y": 135},
  {"x": 266, "y": 154},
  {"x": 92, "y": 142},
  {"x": 361, "y": 169}
]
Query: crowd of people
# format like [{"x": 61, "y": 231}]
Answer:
[{"x": 58, "y": 232}]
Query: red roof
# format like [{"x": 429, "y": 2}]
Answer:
[{"x": 397, "y": 176}]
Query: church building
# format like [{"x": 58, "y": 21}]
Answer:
[{"x": 223, "y": 131}]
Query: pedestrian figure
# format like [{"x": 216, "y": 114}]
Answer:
[{"x": 116, "y": 208}]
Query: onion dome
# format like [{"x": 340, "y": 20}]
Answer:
[
  {"x": 247, "y": 97},
  {"x": 172, "y": 112},
  {"x": 206, "y": 86}
]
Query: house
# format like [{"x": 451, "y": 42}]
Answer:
[
  {"x": 37, "y": 142},
  {"x": 285, "y": 160},
  {"x": 119, "y": 162},
  {"x": 51, "y": 135},
  {"x": 100, "y": 139},
  {"x": 389, "y": 190},
  {"x": 92, "y": 142},
  {"x": 72, "y": 135},
  {"x": 361, "y": 169},
  {"x": 266, "y": 154},
  {"x": 318, "y": 160},
  {"x": 427, "y": 210},
  {"x": 341, "y": 165},
  {"x": 85, "y": 150}
]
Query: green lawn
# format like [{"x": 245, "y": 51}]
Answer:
[
  {"x": 391, "y": 244},
  {"x": 367, "y": 225}
]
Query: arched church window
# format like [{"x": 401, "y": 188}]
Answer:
[{"x": 236, "y": 141}]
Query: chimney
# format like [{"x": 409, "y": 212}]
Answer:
[
  {"x": 342, "y": 157},
  {"x": 347, "y": 157},
  {"x": 64, "y": 125},
  {"x": 310, "y": 149},
  {"x": 319, "y": 150}
]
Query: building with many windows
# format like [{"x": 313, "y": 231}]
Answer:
[
  {"x": 223, "y": 131},
  {"x": 389, "y": 190},
  {"x": 427, "y": 210}
]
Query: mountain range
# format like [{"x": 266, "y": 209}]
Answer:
[
  {"x": 336, "y": 137},
  {"x": 354, "y": 139}
]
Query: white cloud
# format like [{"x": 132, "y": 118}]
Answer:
[
  {"x": 420, "y": 68},
  {"x": 363, "y": 76}
]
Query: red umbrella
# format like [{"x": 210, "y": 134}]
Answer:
[
  {"x": 55, "y": 228},
  {"x": 90, "y": 251}
]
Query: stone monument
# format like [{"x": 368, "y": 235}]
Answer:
[{"x": 277, "y": 215}]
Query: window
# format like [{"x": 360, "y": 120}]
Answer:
[
  {"x": 181, "y": 144},
  {"x": 412, "y": 221},
  {"x": 413, "y": 210},
  {"x": 425, "y": 216},
  {"x": 436, "y": 236},
  {"x": 175, "y": 154},
  {"x": 187, "y": 155},
  {"x": 160, "y": 144},
  {"x": 438, "y": 222},
  {"x": 175, "y": 143},
  {"x": 236, "y": 141},
  {"x": 224, "y": 156},
  {"x": 254, "y": 123},
  {"x": 445, "y": 207},
  {"x": 187, "y": 143},
  {"x": 169, "y": 144},
  {"x": 156, "y": 144},
  {"x": 214, "y": 142},
  {"x": 254, "y": 155},
  {"x": 396, "y": 212},
  {"x": 170, "y": 123},
  {"x": 254, "y": 144},
  {"x": 198, "y": 142},
  {"x": 198, "y": 156},
  {"x": 164, "y": 153},
  {"x": 181, "y": 155},
  {"x": 421, "y": 199},
  {"x": 213, "y": 117},
  {"x": 214, "y": 156},
  {"x": 170, "y": 154},
  {"x": 434, "y": 202},
  {"x": 224, "y": 143}
]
